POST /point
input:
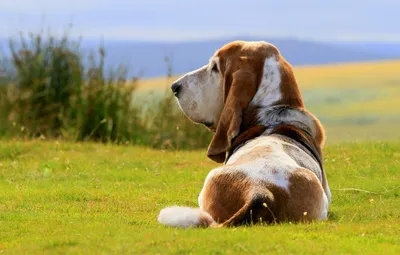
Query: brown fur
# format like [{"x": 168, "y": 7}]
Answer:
[
  {"x": 241, "y": 65},
  {"x": 320, "y": 132},
  {"x": 289, "y": 89},
  {"x": 306, "y": 195},
  {"x": 249, "y": 134},
  {"x": 205, "y": 221},
  {"x": 301, "y": 203},
  {"x": 231, "y": 199},
  {"x": 241, "y": 91},
  {"x": 225, "y": 194}
]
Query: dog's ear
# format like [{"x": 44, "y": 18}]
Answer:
[{"x": 240, "y": 87}]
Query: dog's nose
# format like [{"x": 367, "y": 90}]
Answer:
[{"x": 176, "y": 88}]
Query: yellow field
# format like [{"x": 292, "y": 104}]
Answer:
[
  {"x": 357, "y": 100},
  {"x": 356, "y": 74},
  {"x": 340, "y": 89}
]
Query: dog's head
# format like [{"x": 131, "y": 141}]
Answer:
[{"x": 239, "y": 76}]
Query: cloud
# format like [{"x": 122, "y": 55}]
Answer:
[
  {"x": 43, "y": 6},
  {"x": 186, "y": 20}
]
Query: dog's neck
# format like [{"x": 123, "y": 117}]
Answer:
[
  {"x": 285, "y": 92},
  {"x": 292, "y": 122},
  {"x": 284, "y": 114},
  {"x": 277, "y": 114}
]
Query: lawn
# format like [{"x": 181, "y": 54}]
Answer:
[{"x": 86, "y": 198}]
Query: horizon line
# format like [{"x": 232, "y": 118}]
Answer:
[{"x": 237, "y": 36}]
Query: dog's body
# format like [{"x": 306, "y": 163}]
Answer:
[{"x": 270, "y": 144}]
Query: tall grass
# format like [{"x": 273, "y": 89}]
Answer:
[
  {"x": 168, "y": 126},
  {"x": 48, "y": 77},
  {"x": 106, "y": 111},
  {"x": 171, "y": 129},
  {"x": 53, "y": 95}
]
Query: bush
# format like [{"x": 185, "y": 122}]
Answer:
[
  {"x": 53, "y": 96},
  {"x": 48, "y": 76},
  {"x": 108, "y": 113},
  {"x": 7, "y": 95}
]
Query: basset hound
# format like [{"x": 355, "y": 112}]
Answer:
[{"x": 269, "y": 144}]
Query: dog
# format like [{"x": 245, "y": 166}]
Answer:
[{"x": 269, "y": 144}]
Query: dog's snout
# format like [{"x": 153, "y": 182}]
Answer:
[{"x": 176, "y": 88}]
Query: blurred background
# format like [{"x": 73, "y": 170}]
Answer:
[{"x": 101, "y": 70}]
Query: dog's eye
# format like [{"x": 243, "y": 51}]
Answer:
[{"x": 215, "y": 68}]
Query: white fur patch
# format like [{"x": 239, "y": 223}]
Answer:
[
  {"x": 328, "y": 191},
  {"x": 269, "y": 91},
  {"x": 275, "y": 167},
  {"x": 201, "y": 97},
  {"x": 183, "y": 217},
  {"x": 267, "y": 170},
  {"x": 325, "y": 207}
]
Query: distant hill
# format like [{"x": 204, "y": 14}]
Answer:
[
  {"x": 382, "y": 48},
  {"x": 147, "y": 58}
]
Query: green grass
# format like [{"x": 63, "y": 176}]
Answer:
[{"x": 86, "y": 198}]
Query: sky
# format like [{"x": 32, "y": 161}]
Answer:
[{"x": 179, "y": 20}]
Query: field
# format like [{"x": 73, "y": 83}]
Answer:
[
  {"x": 345, "y": 97},
  {"x": 58, "y": 197}
]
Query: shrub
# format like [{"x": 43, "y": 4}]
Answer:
[
  {"x": 48, "y": 75},
  {"x": 53, "y": 96},
  {"x": 107, "y": 111}
]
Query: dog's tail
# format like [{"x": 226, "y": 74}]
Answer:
[{"x": 184, "y": 217}]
